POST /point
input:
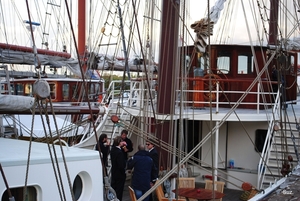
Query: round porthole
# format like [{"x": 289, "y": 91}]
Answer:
[
  {"x": 77, "y": 187},
  {"x": 82, "y": 186}
]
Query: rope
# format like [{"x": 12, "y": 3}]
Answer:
[
  {"x": 62, "y": 153},
  {"x": 172, "y": 149},
  {"x": 56, "y": 171},
  {"x": 28, "y": 157}
]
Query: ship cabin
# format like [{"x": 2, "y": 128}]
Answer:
[
  {"x": 236, "y": 69},
  {"x": 61, "y": 90}
]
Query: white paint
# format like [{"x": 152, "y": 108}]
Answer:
[{"x": 82, "y": 162}]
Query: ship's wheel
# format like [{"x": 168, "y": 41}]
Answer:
[{"x": 215, "y": 80}]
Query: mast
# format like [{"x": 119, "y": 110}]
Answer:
[
  {"x": 123, "y": 40},
  {"x": 81, "y": 32},
  {"x": 273, "y": 31},
  {"x": 168, "y": 72}
]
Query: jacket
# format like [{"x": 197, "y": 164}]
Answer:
[
  {"x": 118, "y": 163},
  {"x": 144, "y": 170}
]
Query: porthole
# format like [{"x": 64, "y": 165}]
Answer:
[
  {"x": 17, "y": 193},
  {"x": 82, "y": 186},
  {"x": 77, "y": 187}
]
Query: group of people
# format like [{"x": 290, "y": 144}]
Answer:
[{"x": 143, "y": 164}]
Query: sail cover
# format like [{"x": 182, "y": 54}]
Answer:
[
  {"x": 23, "y": 55},
  {"x": 16, "y": 103},
  {"x": 203, "y": 28},
  {"x": 292, "y": 44},
  {"x": 107, "y": 62},
  {"x": 13, "y": 54}
]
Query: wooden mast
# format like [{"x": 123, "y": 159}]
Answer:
[
  {"x": 168, "y": 72},
  {"x": 273, "y": 30},
  {"x": 81, "y": 32},
  {"x": 81, "y": 43}
]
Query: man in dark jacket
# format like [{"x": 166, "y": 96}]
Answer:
[
  {"x": 143, "y": 173},
  {"x": 129, "y": 146},
  {"x": 154, "y": 155},
  {"x": 118, "y": 175},
  {"x": 104, "y": 147}
]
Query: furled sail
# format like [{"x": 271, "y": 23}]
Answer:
[
  {"x": 107, "y": 62},
  {"x": 16, "y": 103},
  {"x": 13, "y": 54},
  {"x": 293, "y": 44},
  {"x": 204, "y": 27}
]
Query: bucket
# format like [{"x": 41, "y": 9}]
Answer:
[{"x": 231, "y": 163}]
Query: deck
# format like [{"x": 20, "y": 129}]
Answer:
[
  {"x": 286, "y": 190},
  {"x": 230, "y": 195}
]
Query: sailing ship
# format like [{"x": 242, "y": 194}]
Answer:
[
  {"x": 39, "y": 104},
  {"x": 215, "y": 108}
]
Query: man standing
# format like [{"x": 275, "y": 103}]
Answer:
[
  {"x": 129, "y": 146},
  {"x": 104, "y": 147},
  {"x": 118, "y": 175},
  {"x": 154, "y": 155},
  {"x": 143, "y": 172}
]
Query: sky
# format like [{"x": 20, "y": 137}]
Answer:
[
  {"x": 196, "y": 11},
  {"x": 233, "y": 30}
]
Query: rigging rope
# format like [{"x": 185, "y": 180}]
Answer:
[
  {"x": 177, "y": 151},
  {"x": 28, "y": 158}
]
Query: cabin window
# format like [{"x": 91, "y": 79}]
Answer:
[
  {"x": 66, "y": 92},
  {"x": 19, "y": 89},
  {"x": 75, "y": 92},
  {"x": 28, "y": 89},
  {"x": 18, "y": 193},
  {"x": 2, "y": 88},
  {"x": 92, "y": 88},
  {"x": 202, "y": 62},
  {"x": 260, "y": 138},
  {"x": 223, "y": 62},
  {"x": 92, "y": 91},
  {"x": 245, "y": 64},
  {"x": 97, "y": 89},
  {"x": 12, "y": 89},
  {"x": 52, "y": 91},
  {"x": 291, "y": 65}
]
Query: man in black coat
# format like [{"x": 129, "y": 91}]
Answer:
[
  {"x": 104, "y": 147},
  {"x": 118, "y": 175},
  {"x": 143, "y": 172},
  {"x": 154, "y": 155},
  {"x": 129, "y": 146}
]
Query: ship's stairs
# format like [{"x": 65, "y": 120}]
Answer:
[{"x": 282, "y": 154}]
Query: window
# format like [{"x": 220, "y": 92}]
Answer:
[
  {"x": 75, "y": 91},
  {"x": 291, "y": 65},
  {"x": 66, "y": 92},
  {"x": 245, "y": 64},
  {"x": 52, "y": 91},
  {"x": 2, "y": 88},
  {"x": 28, "y": 89},
  {"x": 97, "y": 88},
  {"x": 12, "y": 89},
  {"x": 92, "y": 88},
  {"x": 223, "y": 62},
  {"x": 19, "y": 89}
]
